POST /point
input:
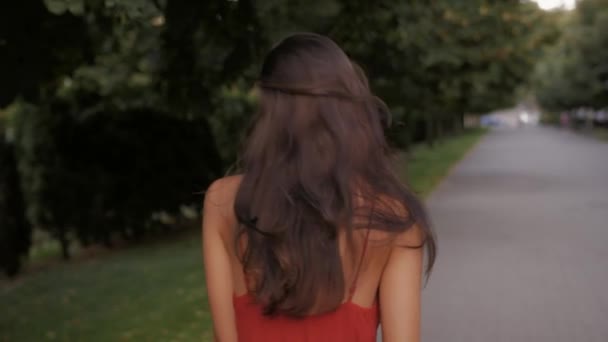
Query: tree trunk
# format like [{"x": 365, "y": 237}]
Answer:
[
  {"x": 107, "y": 240},
  {"x": 458, "y": 124},
  {"x": 430, "y": 128},
  {"x": 185, "y": 93},
  {"x": 65, "y": 245},
  {"x": 439, "y": 129}
]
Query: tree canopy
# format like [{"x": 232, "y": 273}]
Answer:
[
  {"x": 102, "y": 91},
  {"x": 574, "y": 72}
]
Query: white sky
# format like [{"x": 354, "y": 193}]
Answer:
[{"x": 551, "y": 4}]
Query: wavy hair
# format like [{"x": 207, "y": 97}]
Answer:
[{"x": 316, "y": 162}]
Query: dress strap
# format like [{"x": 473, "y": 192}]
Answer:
[{"x": 353, "y": 287}]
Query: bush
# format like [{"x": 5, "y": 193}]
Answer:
[
  {"x": 44, "y": 178},
  {"x": 108, "y": 173},
  {"x": 234, "y": 108},
  {"x": 129, "y": 165}
]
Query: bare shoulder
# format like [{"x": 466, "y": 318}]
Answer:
[
  {"x": 219, "y": 199},
  {"x": 224, "y": 188},
  {"x": 413, "y": 234}
]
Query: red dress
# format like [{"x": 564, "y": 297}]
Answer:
[{"x": 348, "y": 323}]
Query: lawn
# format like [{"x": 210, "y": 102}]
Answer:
[
  {"x": 151, "y": 292},
  {"x": 424, "y": 167},
  {"x": 600, "y": 133}
]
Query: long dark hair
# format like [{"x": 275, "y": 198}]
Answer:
[{"x": 316, "y": 161}]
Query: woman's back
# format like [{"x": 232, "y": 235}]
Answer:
[
  {"x": 356, "y": 319},
  {"x": 317, "y": 238}
]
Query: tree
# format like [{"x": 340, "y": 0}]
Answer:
[
  {"x": 442, "y": 59},
  {"x": 574, "y": 72},
  {"x": 37, "y": 47},
  {"x": 114, "y": 82},
  {"x": 15, "y": 232},
  {"x": 44, "y": 177}
]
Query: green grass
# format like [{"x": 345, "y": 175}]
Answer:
[
  {"x": 152, "y": 292},
  {"x": 600, "y": 133},
  {"x": 424, "y": 168},
  {"x": 44, "y": 247}
]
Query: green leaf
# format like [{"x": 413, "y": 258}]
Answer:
[{"x": 56, "y": 6}]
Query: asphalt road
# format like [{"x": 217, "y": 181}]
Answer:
[{"x": 522, "y": 225}]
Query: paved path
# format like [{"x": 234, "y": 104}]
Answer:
[{"x": 522, "y": 223}]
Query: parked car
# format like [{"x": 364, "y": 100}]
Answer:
[{"x": 489, "y": 121}]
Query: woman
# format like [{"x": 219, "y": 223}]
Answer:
[{"x": 316, "y": 240}]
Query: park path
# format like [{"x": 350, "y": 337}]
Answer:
[{"x": 522, "y": 225}]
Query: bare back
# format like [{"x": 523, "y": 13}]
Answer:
[{"x": 382, "y": 271}]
